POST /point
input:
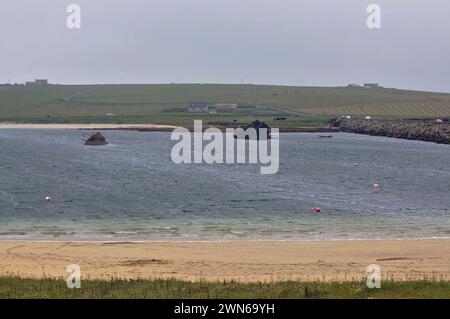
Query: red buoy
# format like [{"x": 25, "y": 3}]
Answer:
[{"x": 316, "y": 209}]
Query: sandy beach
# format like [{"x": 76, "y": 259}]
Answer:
[
  {"x": 241, "y": 261},
  {"x": 87, "y": 126}
]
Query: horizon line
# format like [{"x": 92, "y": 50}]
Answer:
[{"x": 230, "y": 83}]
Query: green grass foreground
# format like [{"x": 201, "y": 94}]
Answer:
[{"x": 52, "y": 288}]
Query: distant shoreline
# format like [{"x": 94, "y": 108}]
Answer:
[
  {"x": 150, "y": 127},
  {"x": 440, "y": 138},
  {"x": 92, "y": 126}
]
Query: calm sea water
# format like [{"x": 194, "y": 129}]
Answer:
[{"x": 131, "y": 190}]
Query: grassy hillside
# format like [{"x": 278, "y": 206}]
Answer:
[
  {"x": 52, "y": 288},
  {"x": 165, "y": 103}
]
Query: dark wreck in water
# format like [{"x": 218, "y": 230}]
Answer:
[
  {"x": 257, "y": 125},
  {"x": 96, "y": 139}
]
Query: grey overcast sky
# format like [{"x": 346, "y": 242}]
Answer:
[{"x": 293, "y": 42}]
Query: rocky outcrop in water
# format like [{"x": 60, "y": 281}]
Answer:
[
  {"x": 96, "y": 139},
  {"x": 429, "y": 131}
]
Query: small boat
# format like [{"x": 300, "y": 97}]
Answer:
[{"x": 325, "y": 136}]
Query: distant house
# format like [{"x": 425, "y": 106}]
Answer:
[
  {"x": 37, "y": 82},
  {"x": 225, "y": 107},
  {"x": 353, "y": 85},
  {"x": 371, "y": 85},
  {"x": 197, "y": 107}
]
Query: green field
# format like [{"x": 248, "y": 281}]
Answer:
[
  {"x": 165, "y": 103},
  {"x": 52, "y": 288}
]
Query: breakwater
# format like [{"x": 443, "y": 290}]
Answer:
[{"x": 428, "y": 131}]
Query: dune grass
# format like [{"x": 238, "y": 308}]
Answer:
[{"x": 12, "y": 287}]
